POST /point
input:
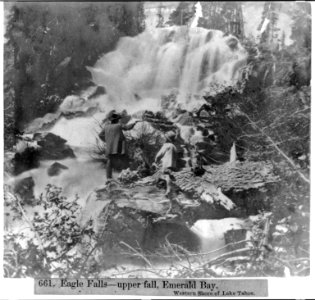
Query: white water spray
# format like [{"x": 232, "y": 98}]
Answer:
[
  {"x": 135, "y": 75},
  {"x": 150, "y": 64},
  {"x": 144, "y": 67}
]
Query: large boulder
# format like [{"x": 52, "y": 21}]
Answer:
[
  {"x": 53, "y": 146},
  {"x": 25, "y": 189},
  {"x": 140, "y": 216},
  {"x": 123, "y": 212},
  {"x": 97, "y": 91},
  {"x": 40, "y": 146},
  {"x": 26, "y": 160},
  {"x": 44, "y": 123},
  {"x": 56, "y": 168},
  {"x": 133, "y": 223},
  {"x": 71, "y": 107},
  {"x": 76, "y": 106}
]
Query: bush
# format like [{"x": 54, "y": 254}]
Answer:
[{"x": 55, "y": 245}]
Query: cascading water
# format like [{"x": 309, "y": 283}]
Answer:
[
  {"x": 143, "y": 68},
  {"x": 138, "y": 72},
  {"x": 135, "y": 75},
  {"x": 150, "y": 64}
]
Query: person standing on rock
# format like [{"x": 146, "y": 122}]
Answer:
[
  {"x": 113, "y": 136},
  {"x": 167, "y": 156},
  {"x": 168, "y": 153}
]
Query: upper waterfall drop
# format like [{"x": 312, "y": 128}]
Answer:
[
  {"x": 143, "y": 68},
  {"x": 150, "y": 64}
]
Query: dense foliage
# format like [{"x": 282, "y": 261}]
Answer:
[
  {"x": 46, "y": 55},
  {"x": 268, "y": 116},
  {"x": 56, "y": 244},
  {"x": 182, "y": 14}
]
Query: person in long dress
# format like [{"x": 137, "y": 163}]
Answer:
[{"x": 167, "y": 155}]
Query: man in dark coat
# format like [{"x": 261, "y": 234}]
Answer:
[{"x": 113, "y": 136}]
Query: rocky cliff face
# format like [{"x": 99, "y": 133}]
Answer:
[{"x": 142, "y": 216}]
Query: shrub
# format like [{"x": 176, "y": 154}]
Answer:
[{"x": 54, "y": 245}]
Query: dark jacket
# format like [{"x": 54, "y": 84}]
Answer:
[{"x": 113, "y": 136}]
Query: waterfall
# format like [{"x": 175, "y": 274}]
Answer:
[
  {"x": 135, "y": 75},
  {"x": 183, "y": 58},
  {"x": 144, "y": 67}
]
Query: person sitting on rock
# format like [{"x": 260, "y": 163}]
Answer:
[
  {"x": 113, "y": 136},
  {"x": 167, "y": 155}
]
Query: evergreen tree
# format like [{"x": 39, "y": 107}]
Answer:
[
  {"x": 160, "y": 17},
  {"x": 140, "y": 17},
  {"x": 183, "y": 14},
  {"x": 302, "y": 25},
  {"x": 224, "y": 16},
  {"x": 52, "y": 43},
  {"x": 270, "y": 15}
]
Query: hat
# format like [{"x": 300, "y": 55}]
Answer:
[
  {"x": 112, "y": 115},
  {"x": 170, "y": 136}
]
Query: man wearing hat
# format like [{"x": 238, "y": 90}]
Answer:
[
  {"x": 168, "y": 153},
  {"x": 113, "y": 136}
]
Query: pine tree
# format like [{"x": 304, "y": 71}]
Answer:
[
  {"x": 140, "y": 17},
  {"x": 270, "y": 15},
  {"x": 160, "y": 22},
  {"x": 301, "y": 25},
  {"x": 183, "y": 13},
  {"x": 224, "y": 16}
]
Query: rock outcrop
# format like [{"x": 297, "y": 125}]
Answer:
[
  {"x": 25, "y": 189},
  {"x": 40, "y": 146},
  {"x": 140, "y": 216},
  {"x": 97, "y": 91},
  {"x": 25, "y": 160},
  {"x": 53, "y": 146},
  {"x": 72, "y": 106},
  {"x": 55, "y": 169}
]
